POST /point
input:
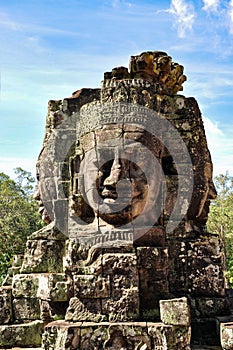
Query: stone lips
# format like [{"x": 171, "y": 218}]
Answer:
[{"x": 95, "y": 115}]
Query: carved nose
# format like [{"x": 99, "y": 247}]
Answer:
[{"x": 115, "y": 173}]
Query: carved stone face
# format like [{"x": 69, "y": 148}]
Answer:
[{"x": 121, "y": 176}]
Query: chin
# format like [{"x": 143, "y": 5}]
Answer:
[{"x": 116, "y": 219}]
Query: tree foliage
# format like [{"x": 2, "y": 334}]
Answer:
[
  {"x": 221, "y": 217},
  {"x": 18, "y": 215}
]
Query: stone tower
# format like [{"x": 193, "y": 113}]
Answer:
[{"x": 125, "y": 183}]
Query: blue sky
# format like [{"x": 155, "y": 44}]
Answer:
[{"x": 51, "y": 48}]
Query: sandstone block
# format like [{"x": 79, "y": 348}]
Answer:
[
  {"x": 77, "y": 311},
  {"x": 195, "y": 267},
  {"x": 23, "y": 335},
  {"x": 226, "y": 334},
  {"x": 152, "y": 258},
  {"x": 205, "y": 276},
  {"x": 5, "y": 305},
  {"x": 211, "y": 307},
  {"x": 91, "y": 286},
  {"x": 169, "y": 337},
  {"x": 123, "y": 307},
  {"x": 153, "y": 237},
  {"x": 175, "y": 312},
  {"x": 115, "y": 336},
  {"x": 54, "y": 287},
  {"x": 26, "y": 286},
  {"x": 26, "y": 309},
  {"x": 43, "y": 256},
  {"x": 153, "y": 279},
  {"x": 123, "y": 303},
  {"x": 120, "y": 264}
]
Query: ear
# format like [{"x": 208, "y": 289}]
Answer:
[
  {"x": 74, "y": 168},
  {"x": 79, "y": 201}
]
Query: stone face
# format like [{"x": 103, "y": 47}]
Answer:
[{"x": 124, "y": 186}]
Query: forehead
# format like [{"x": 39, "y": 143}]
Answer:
[{"x": 120, "y": 131}]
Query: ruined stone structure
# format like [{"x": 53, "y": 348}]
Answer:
[{"x": 125, "y": 262}]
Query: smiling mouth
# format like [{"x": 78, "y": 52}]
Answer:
[
  {"x": 109, "y": 200},
  {"x": 110, "y": 196}
]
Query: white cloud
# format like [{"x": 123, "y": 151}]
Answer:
[
  {"x": 8, "y": 23},
  {"x": 211, "y": 127},
  {"x": 185, "y": 15},
  {"x": 211, "y": 5},
  {"x": 118, "y": 3},
  {"x": 230, "y": 13},
  {"x": 220, "y": 145}
]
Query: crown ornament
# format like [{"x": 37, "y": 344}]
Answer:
[
  {"x": 129, "y": 95},
  {"x": 149, "y": 68},
  {"x": 95, "y": 115}
]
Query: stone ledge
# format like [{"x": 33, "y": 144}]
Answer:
[
  {"x": 205, "y": 347},
  {"x": 24, "y": 349},
  {"x": 25, "y": 335},
  {"x": 126, "y": 335}
]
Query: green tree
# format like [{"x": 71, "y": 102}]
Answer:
[
  {"x": 221, "y": 218},
  {"x": 18, "y": 215}
]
